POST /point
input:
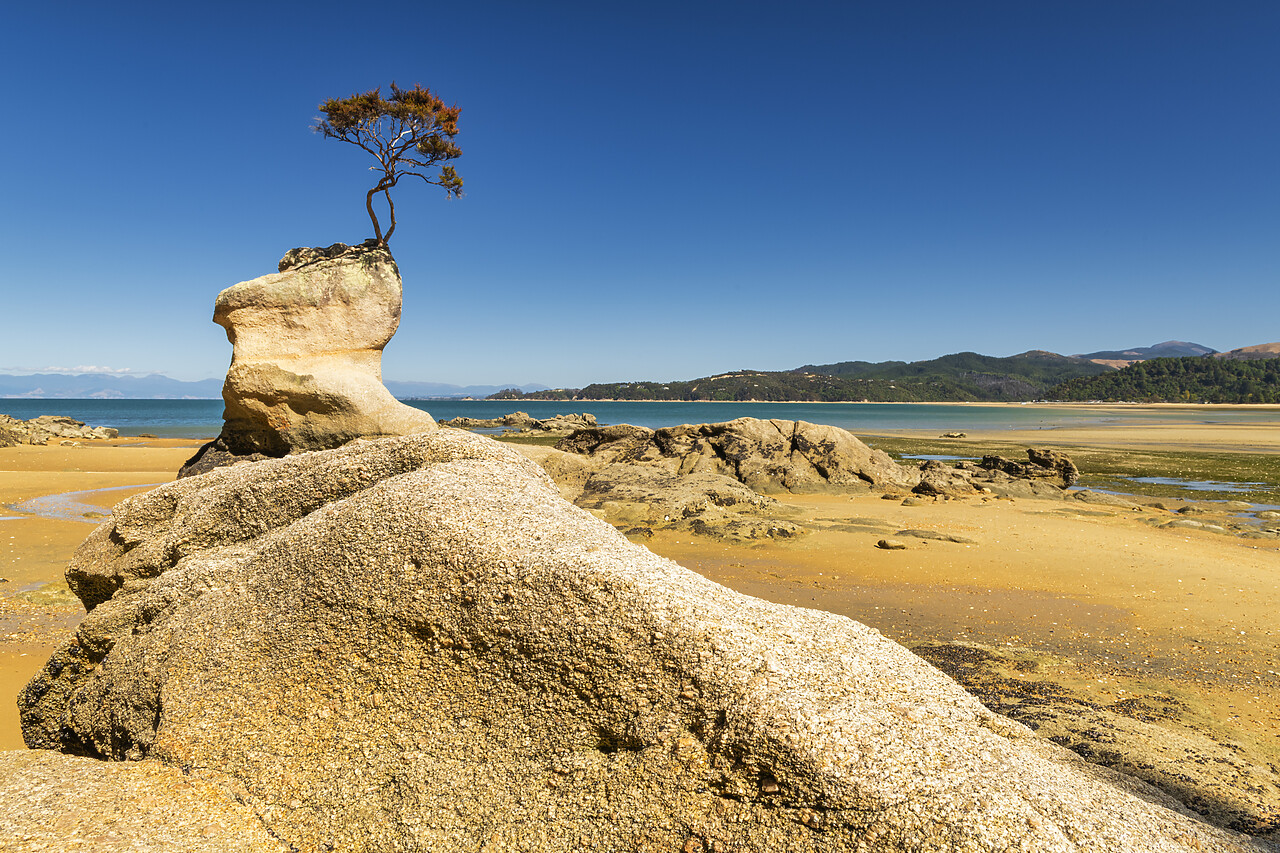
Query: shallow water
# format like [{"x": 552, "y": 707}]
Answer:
[
  {"x": 69, "y": 506},
  {"x": 1199, "y": 485},
  {"x": 938, "y": 457}
]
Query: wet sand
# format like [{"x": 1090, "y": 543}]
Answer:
[{"x": 1176, "y": 434}]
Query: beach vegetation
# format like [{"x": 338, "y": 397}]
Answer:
[{"x": 409, "y": 134}]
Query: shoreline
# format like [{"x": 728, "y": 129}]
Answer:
[{"x": 993, "y": 403}]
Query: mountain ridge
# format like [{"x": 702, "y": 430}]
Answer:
[{"x": 157, "y": 386}]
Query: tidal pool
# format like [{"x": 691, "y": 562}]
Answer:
[
  {"x": 69, "y": 506},
  {"x": 1198, "y": 485}
]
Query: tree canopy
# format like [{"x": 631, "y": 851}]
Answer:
[{"x": 408, "y": 134}]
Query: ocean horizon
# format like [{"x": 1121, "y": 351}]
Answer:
[{"x": 203, "y": 418}]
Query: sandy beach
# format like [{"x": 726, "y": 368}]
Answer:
[
  {"x": 1101, "y": 600},
  {"x": 1263, "y": 437}
]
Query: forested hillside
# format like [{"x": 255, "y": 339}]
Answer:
[
  {"x": 965, "y": 376},
  {"x": 1181, "y": 380}
]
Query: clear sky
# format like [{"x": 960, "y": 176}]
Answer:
[{"x": 655, "y": 190}]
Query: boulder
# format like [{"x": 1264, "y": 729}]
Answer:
[
  {"x": 766, "y": 456},
  {"x": 999, "y": 476},
  {"x": 1103, "y": 499},
  {"x": 652, "y": 496},
  {"x": 566, "y": 423},
  {"x": 938, "y": 479},
  {"x": 306, "y": 367},
  {"x": 41, "y": 430},
  {"x": 414, "y": 644},
  {"x": 1041, "y": 463}
]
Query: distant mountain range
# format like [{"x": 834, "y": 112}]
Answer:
[
  {"x": 437, "y": 390},
  {"x": 965, "y": 376},
  {"x": 1036, "y": 374},
  {"x": 1252, "y": 353},
  {"x": 968, "y": 376},
  {"x": 1165, "y": 349},
  {"x": 1179, "y": 349},
  {"x": 105, "y": 386}
]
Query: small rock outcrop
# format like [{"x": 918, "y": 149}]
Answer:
[
  {"x": 1040, "y": 464},
  {"x": 414, "y": 644},
  {"x": 43, "y": 429},
  {"x": 767, "y": 456},
  {"x": 306, "y": 367},
  {"x": 560, "y": 424},
  {"x": 692, "y": 477},
  {"x": 1045, "y": 474}
]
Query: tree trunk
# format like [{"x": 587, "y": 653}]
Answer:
[{"x": 373, "y": 217}]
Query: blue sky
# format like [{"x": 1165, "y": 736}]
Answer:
[{"x": 654, "y": 190}]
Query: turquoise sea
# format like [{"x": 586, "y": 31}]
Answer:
[{"x": 203, "y": 418}]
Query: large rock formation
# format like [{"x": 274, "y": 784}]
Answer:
[
  {"x": 415, "y": 644},
  {"x": 306, "y": 367},
  {"x": 714, "y": 479},
  {"x": 766, "y": 456}
]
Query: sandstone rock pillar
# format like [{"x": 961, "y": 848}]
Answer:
[{"x": 306, "y": 368}]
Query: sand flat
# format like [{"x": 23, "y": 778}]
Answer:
[{"x": 1215, "y": 433}]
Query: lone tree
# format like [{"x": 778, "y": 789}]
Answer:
[{"x": 408, "y": 134}]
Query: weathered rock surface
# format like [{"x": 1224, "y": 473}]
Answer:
[
  {"x": 1040, "y": 464},
  {"x": 999, "y": 476},
  {"x": 653, "y": 496},
  {"x": 520, "y": 420},
  {"x": 42, "y": 429},
  {"x": 939, "y": 479},
  {"x": 306, "y": 369},
  {"x": 374, "y": 654},
  {"x": 52, "y": 802},
  {"x": 766, "y": 456},
  {"x": 631, "y": 472}
]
